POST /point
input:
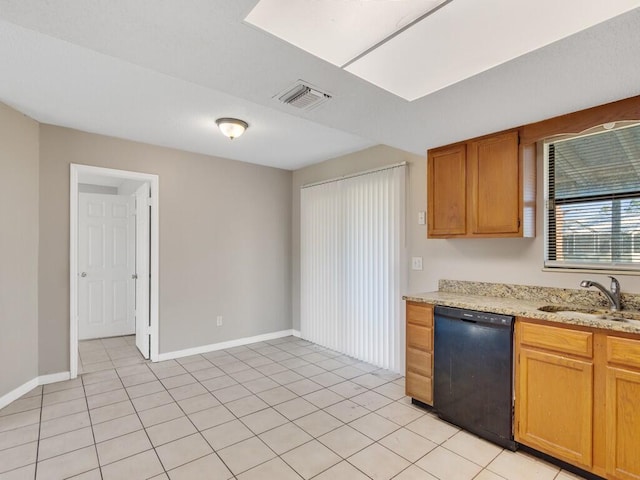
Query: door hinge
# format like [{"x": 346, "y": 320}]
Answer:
[
  {"x": 148, "y": 201},
  {"x": 518, "y": 223}
]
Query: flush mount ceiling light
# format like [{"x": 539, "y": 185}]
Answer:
[{"x": 232, "y": 127}]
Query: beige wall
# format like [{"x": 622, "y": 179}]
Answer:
[
  {"x": 224, "y": 242},
  {"x": 18, "y": 249},
  {"x": 516, "y": 260}
]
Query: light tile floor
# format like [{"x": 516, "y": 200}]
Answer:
[
  {"x": 281, "y": 409},
  {"x": 106, "y": 353}
]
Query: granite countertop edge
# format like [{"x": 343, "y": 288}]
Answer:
[{"x": 519, "y": 308}]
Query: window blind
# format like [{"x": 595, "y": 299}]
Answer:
[
  {"x": 352, "y": 272},
  {"x": 593, "y": 200}
]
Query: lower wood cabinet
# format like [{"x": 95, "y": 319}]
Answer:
[
  {"x": 578, "y": 396},
  {"x": 552, "y": 417},
  {"x": 623, "y": 408},
  {"x": 419, "y": 352}
]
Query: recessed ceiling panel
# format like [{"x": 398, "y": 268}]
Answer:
[
  {"x": 336, "y": 30},
  {"x": 466, "y": 37}
]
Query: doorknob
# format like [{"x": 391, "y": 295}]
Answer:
[
  {"x": 134, "y": 276},
  {"x": 83, "y": 274}
]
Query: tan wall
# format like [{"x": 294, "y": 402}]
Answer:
[
  {"x": 517, "y": 261},
  {"x": 224, "y": 241},
  {"x": 18, "y": 249}
]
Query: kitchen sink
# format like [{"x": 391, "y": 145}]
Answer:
[{"x": 597, "y": 313}]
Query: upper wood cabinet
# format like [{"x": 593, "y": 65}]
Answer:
[
  {"x": 494, "y": 178},
  {"x": 484, "y": 187},
  {"x": 447, "y": 191}
]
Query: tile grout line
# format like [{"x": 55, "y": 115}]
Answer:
[
  {"x": 35, "y": 468},
  {"x": 186, "y": 415},
  {"x": 153, "y": 447},
  {"x": 255, "y": 435},
  {"x": 198, "y": 431},
  {"x": 344, "y": 423},
  {"x": 244, "y": 357},
  {"x": 93, "y": 435},
  {"x": 313, "y": 438},
  {"x": 367, "y": 389},
  {"x": 165, "y": 389}
]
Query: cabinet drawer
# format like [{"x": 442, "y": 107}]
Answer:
[
  {"x": 420, "y": 314},
  {"x": 419, "y": 387},
  {"x": 625, "y": 351},
  {"x": 420, "y": 362},
  {"x": 573, "y": 342},
  {"x": 420, "y": 337}
]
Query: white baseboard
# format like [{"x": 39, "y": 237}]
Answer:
[
  {"x": 18, "y": 392},
  {"x": 222, "y": 345},
  {"x": 53, "y": 378},
  {"x": 30, "y": 385},
  {"x": 62, "y": 376}
]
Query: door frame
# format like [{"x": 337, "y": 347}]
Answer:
[{"x": 76, "y": 170}]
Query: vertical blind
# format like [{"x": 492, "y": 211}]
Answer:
[
  {"x": 352, "y": 275},
  {"x": 593, "y": 204}
]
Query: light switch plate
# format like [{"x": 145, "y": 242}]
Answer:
[
  {"x": 422, "y": 218},
  {"x": 416, "y": 263}
]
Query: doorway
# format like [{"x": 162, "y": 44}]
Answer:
[{"x": 99, "y": 200}]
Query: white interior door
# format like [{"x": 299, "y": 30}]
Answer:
[
  {"x": 142, "y": 269},
  {"x": 106, "y": 255}
]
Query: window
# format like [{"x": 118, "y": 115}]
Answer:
[{"x": 592, "y": 197}]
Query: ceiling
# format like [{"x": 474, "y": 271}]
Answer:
[
  {"x": 162, "y": 71},
  {"x": 412, "y": 48}
]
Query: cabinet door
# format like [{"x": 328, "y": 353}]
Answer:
[
  {"x": 554, "y": 405},
  {"x": 494, "y": 177},
  {"x": 447, "y": 192},
  {"x": 623, "y": 423}
]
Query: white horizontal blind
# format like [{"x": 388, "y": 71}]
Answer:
[
  {"x": 352, "y": 275},
  {"x": 593, "y": 214}
]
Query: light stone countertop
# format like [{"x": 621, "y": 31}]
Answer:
[{"x": 523, "y": 308}]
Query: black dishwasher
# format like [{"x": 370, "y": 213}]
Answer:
[{"x": 473, "y": 372}]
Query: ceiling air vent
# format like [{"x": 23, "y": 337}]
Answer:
[{"x": 303, "y": 96}]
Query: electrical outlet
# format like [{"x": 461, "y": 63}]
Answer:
[
  {"x": 422, "y": 218},
  {"x": 219, "y": 320},
  {"x": 416, "y": 263}
]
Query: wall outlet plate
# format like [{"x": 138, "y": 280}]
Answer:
[
  {"x": 416, "y": 263},
  {"x": 219, "y": 320},
  {"x": 422, "y": 218}
]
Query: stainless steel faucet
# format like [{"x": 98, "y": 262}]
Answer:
[{"x": 613, "y": 295}]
